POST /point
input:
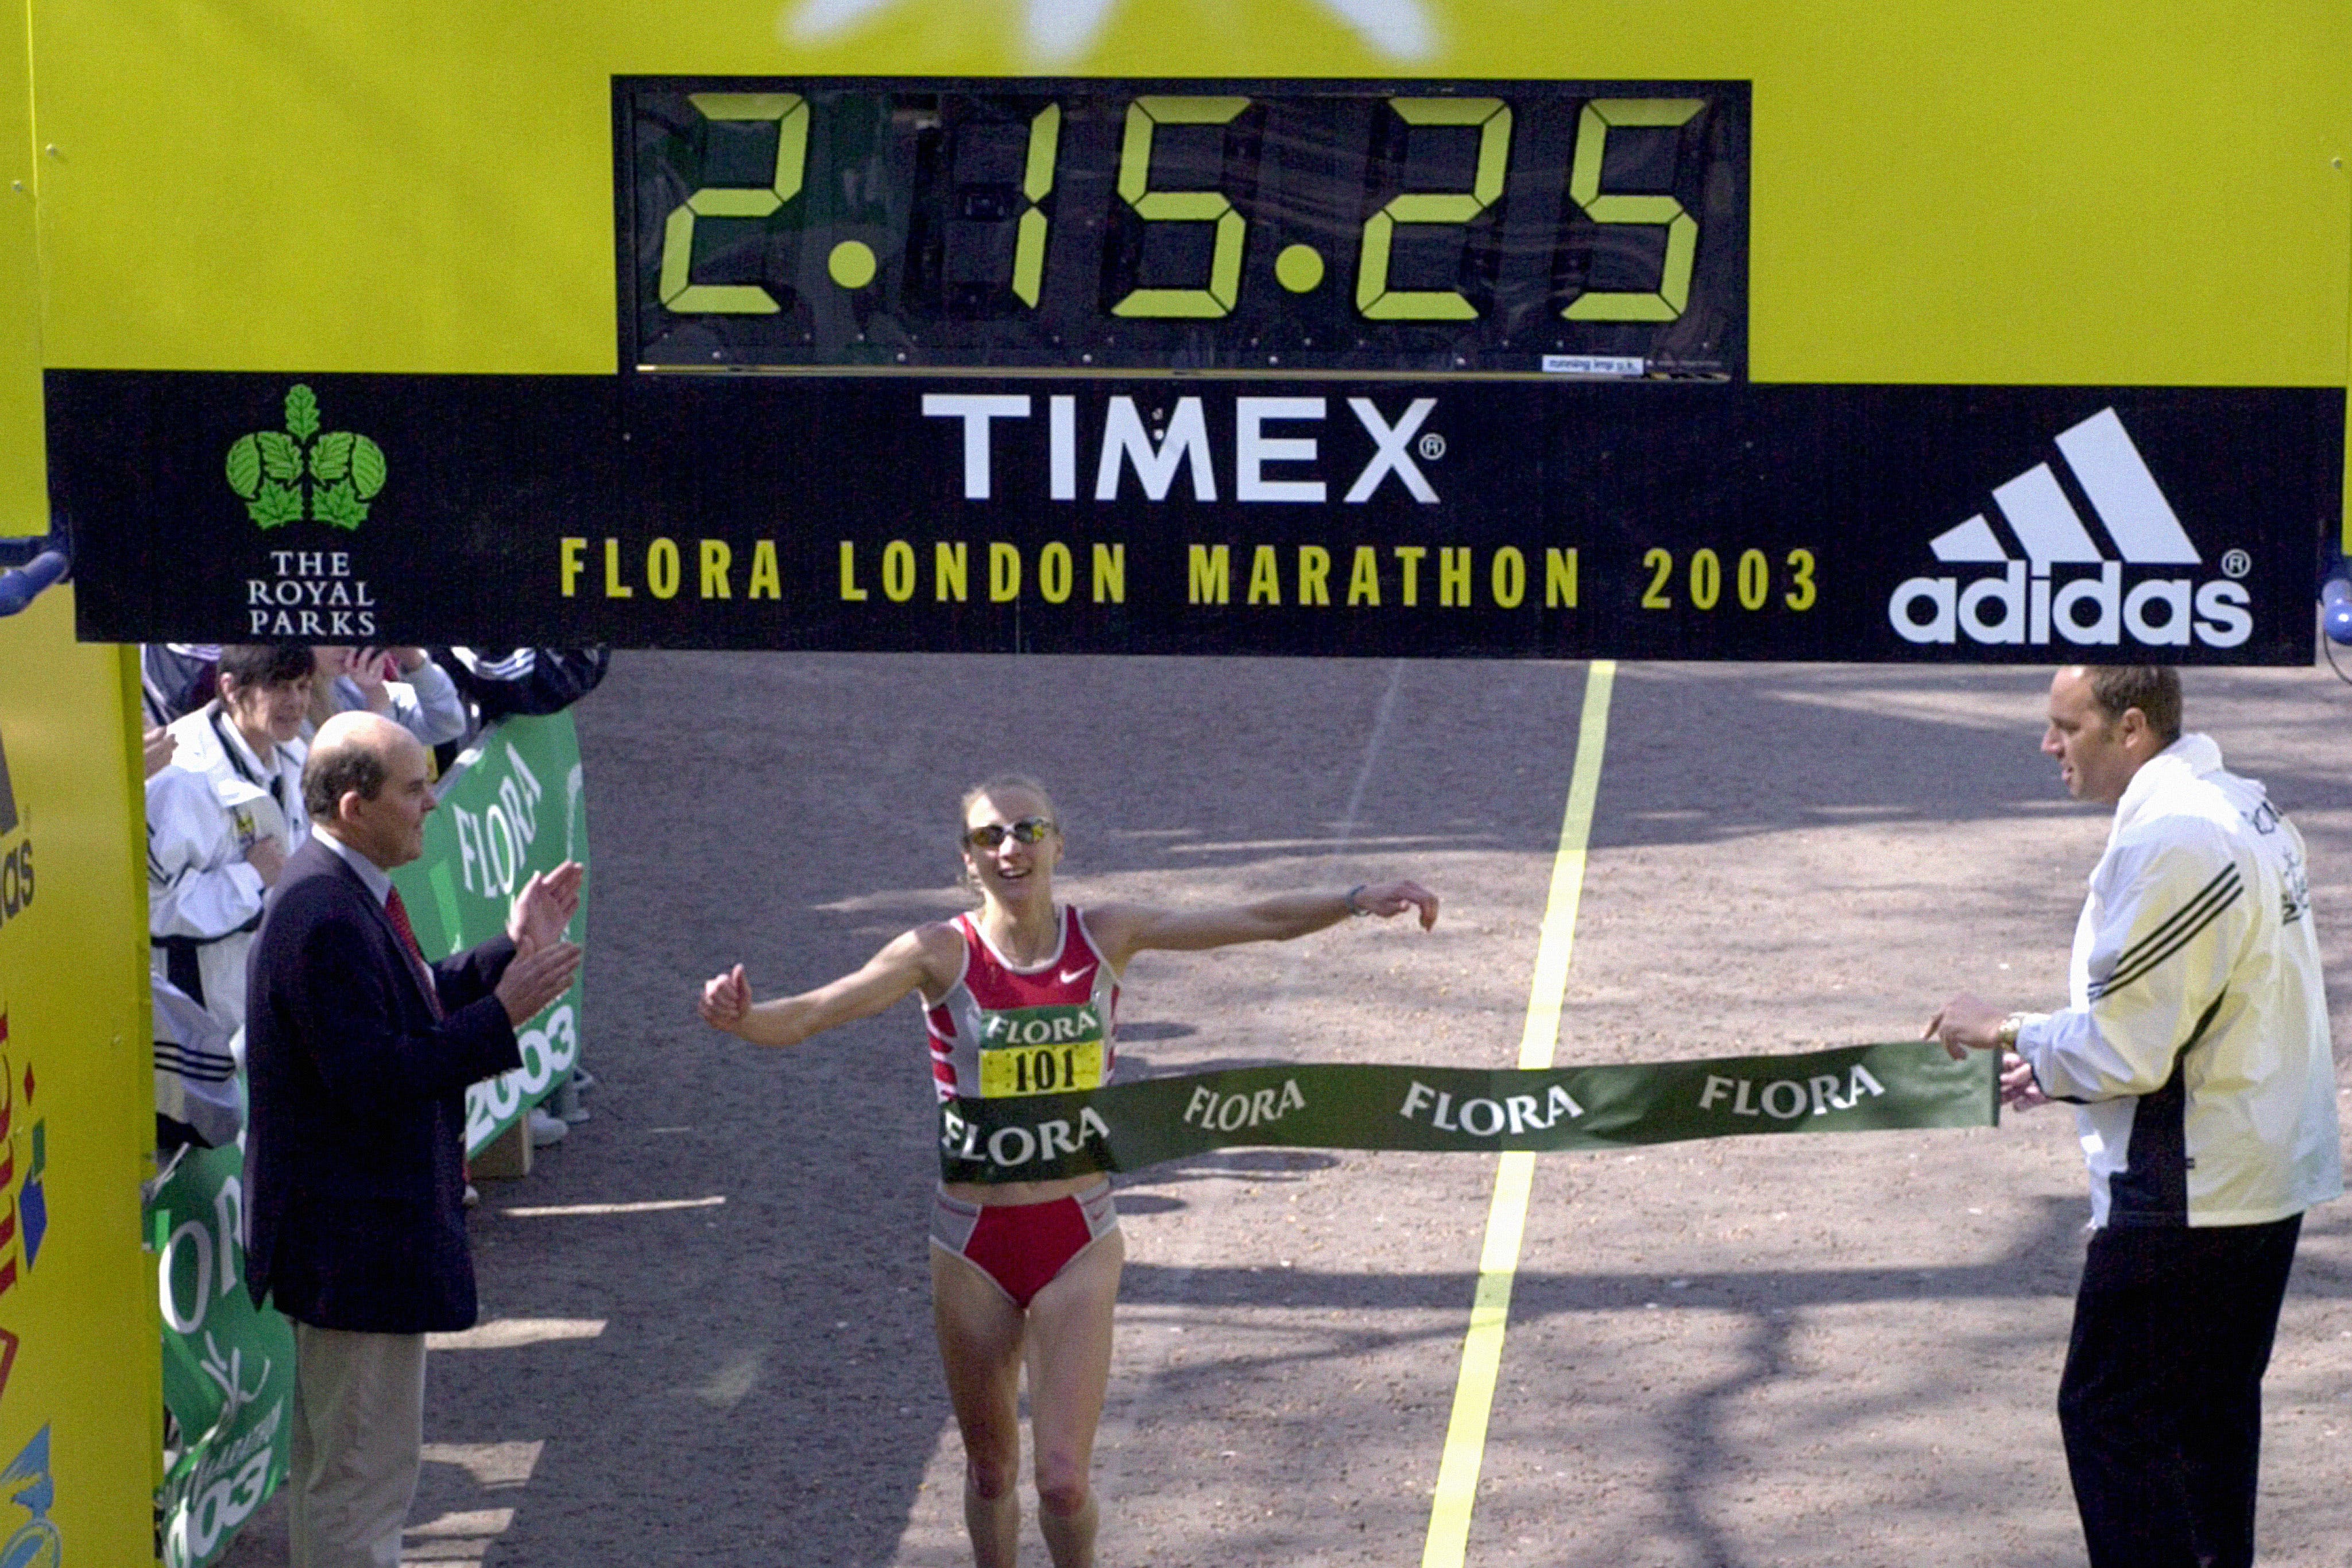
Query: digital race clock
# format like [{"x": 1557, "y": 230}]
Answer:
[
  {"x": 1355, "y": 228},
  {"x": 1352, "y": 328}
]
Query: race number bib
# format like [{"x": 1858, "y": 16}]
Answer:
[{"x": 1041, "y": 1050}]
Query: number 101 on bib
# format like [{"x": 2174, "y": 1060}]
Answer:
[{"x": 1093, "y": 227}]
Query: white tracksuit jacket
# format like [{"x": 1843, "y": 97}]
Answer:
[
  {"x": 203, "y": 813},
  {"x": 2196, "y": 1043}
]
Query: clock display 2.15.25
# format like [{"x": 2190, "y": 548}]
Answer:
[{"x": 1089, "y": 227}]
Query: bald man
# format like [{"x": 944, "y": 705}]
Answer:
[{"x": 358, "y": 1053}]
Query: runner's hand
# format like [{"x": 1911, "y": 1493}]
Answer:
[
  {"x": 1391, "y": 898},
  {"x": 726, "y": 1000}
]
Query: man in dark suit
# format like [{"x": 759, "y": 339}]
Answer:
[{"x": 358, "y": 1054}]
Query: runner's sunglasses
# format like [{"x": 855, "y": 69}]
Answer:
[{"x": 988, "y": 836}]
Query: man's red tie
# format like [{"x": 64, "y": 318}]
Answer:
[{"x": 398, "y": 914}]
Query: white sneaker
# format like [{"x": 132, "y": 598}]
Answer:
[
  {"x": 546, "y": 1129},
  {"x": 473, "y": 1196}
]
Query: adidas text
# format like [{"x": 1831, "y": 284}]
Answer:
[
  {"x": 2088, "y": 610},
  {"x": 2066, "y": 585}
]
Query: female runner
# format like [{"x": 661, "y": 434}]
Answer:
[{"x": 1027, "y": 1267}]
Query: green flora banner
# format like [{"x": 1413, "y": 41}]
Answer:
[
  {"x": 228, "y": 1366},
  {"x": 514, "y": 808},
  {"x": 1847, "y": 1089}
]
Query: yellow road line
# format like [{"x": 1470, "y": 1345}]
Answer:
[{"x": 1499, "y": 1259}]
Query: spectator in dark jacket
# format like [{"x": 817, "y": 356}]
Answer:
[{"x": 358, "y": 1053}]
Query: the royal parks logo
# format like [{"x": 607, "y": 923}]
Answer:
[
  {"x": 313, "y": 595},
  {"x": 288, "y": 474}
]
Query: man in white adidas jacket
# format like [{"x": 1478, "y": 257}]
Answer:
[{"x": 2196, "y": 1050}]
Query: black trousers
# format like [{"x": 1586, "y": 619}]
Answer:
[{"x": 2161, "y": 1402}]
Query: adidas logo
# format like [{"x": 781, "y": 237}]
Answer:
[{"x": 2065, "y": 584}]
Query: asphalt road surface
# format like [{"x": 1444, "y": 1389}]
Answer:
[{"x": 706, "y": 1336}]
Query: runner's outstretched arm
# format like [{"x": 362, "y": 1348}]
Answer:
[
  {"x": 911, "y": 960},
  {"x": 1133, "y": 928}
]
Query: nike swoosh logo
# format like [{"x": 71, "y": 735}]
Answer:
[{"x": 1072, "y": 977}]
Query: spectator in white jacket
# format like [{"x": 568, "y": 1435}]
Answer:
[{"x": 221, "y": 822}]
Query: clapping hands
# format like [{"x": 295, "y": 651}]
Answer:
[
  {"x": 536, "y": 977},
  {"x": 545, "y": 908},
  {"x": 543, "y": 963}
]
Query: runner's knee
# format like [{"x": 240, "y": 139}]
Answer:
[
  {"x": 1064, "y": 1500},
  {"x": 1061, "y": 1487},
  {"x": 988, "y": 1477}
]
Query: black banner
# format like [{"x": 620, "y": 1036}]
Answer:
[{"x": 1462, "y": 519}]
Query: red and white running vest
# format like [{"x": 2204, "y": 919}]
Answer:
[{"x": 1003, "y": 1029}]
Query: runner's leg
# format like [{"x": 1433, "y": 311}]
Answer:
[
  {"x": 980, "y": 1349},
  {"x": 1069, "y": 1373}
]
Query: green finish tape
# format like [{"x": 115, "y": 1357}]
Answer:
[{"x": 1127, "y": 1126}]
